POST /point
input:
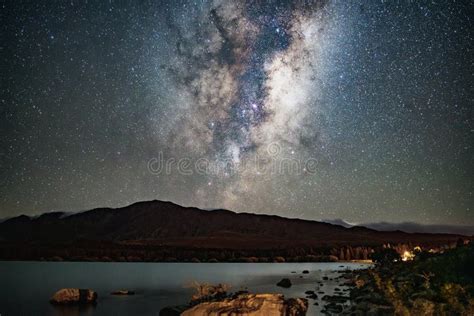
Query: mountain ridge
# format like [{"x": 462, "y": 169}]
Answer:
[
  {"x": 410, "y": 227},
  {"x": 136, "y": 213},
  {"x": 164, "y": 231},
  {"x": 376, "y": 226}
]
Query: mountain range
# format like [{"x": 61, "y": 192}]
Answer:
[
  {"x": 410, "y": 227},
  {"x": 168, "y": 224}
]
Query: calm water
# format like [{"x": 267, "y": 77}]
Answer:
[{"x": 25, "y": 287}]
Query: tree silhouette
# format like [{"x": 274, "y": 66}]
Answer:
[{"x": 385, "y": 255}]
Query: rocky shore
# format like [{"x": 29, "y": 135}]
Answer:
[
  {"x": 425, "y": 284},
  {"x": 328, "y": 292},
  {"x": 252, "y": 304},
  {"x": 430, "y": 284},
  {"x": 441, "y": 284},
  {"x": 214, "y": 300}
]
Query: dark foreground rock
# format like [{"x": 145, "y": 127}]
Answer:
[
  {"x": 335, "y": 298},
  {"x": 73, "y": 296},
  {"x": 311, "y": 295},
  {"x": 251, "y": 305},
  {"x": 332, "y": 308},
  {"x": 286, "y": 283}
]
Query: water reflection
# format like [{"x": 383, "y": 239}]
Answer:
[
  {"x": 73, "y": 310},
  {"x": 156, "y": 285}
]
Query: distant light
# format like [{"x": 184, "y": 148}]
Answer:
[{"x": 408, "y": 255}]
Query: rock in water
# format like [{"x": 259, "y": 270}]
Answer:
[
  {"x": 74, "y": 296},
  {"x": 334, "y": 308},
  {"x": 284, "y": 283},
  {"x": 252, "y": 305},
  {"x": 296, "y": 307},
  {"x": 123, "y": 292}
]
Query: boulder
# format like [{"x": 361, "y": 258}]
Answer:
[
  {"x": 347, "y": 276},
  {"x": 313, "y": 296},
  {"x": 305, "y": 272},
  {"x": 74, "y": 296},
  {"x": 206, "y": 292},
  {"x": 123, "y": 292},
  {"x": 251, "y": 305},
  {"x": 333, "y": 308},
  {"x": 286, "y": 283},
  {"x": 335, "y": 298}
]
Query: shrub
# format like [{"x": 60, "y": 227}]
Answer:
[{"x": 385, "y": 256}]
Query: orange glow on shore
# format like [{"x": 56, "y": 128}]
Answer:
[{"x": 408, "y": 255}]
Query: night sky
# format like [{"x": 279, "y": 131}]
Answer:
[{"x": 307, "y": 109}]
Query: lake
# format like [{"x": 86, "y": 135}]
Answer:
[{"x": 25, "y": 287}]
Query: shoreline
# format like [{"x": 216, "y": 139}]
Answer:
[{"x": 170, "y": 282}]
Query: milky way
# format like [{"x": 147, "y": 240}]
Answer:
[
  {"x": 251, "y": 80},
  {"x": 314, "y": 109}
]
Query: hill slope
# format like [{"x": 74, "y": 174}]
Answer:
[{"x": 165, "y": 223}]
